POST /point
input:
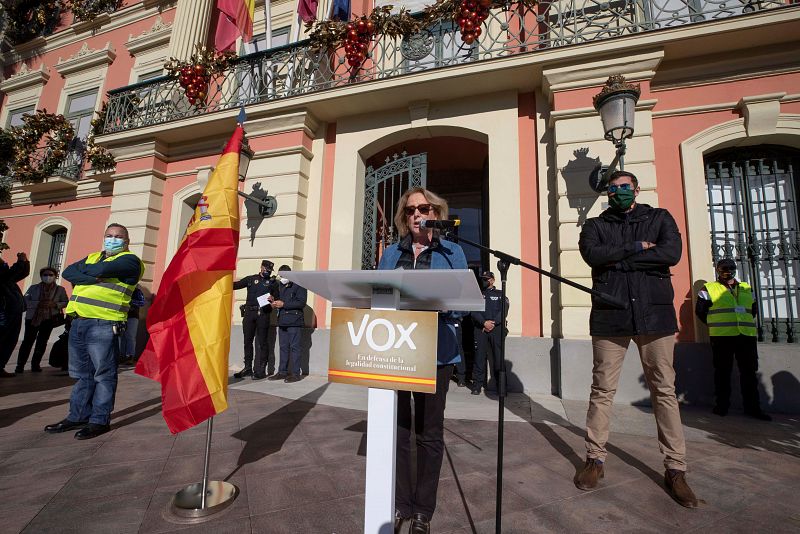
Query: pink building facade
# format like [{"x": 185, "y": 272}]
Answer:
[{"x": 505, "y": 131}]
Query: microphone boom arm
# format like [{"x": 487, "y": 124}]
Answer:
[{"x": 512, "y": 260}]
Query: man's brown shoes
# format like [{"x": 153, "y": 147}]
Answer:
[
  {"x": 588, "y": 477},
  {"x": 679, "y": 488}
]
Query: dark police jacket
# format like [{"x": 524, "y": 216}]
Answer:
[
  {"x": 494, "y": 311},
  {"x": 609, "y": 244},
  {"x": 294, "y": 299},
  {"x": 257, "y": 286}
]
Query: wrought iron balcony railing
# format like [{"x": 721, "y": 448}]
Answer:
[{"x": 297, "y": 69}]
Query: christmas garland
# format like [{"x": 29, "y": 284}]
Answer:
[
  {"x": 41, "y": 132},
  {"x": 98, "y": 157},
  {"x": 27, "y": 19},
  {"x": 332, "y": 34},
  {"x": 90, "y": 9},
  {"x": 195, "y": 75}
]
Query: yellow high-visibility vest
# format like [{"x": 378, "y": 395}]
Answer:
[
  {"x": 730, "y": 311},
  {"x": 109, "y": 300}
]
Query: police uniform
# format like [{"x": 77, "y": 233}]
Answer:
[
  {"x": 730, "y": 312},
  {"x": 488, "y": 343},
  {"x": 255, "y": 323}
]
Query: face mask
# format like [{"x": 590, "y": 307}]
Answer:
[
  {"x": 48, "y": 279},
  {"x": 484, "y": 284},
  {"x": 266, "y": 274},
  {"x": 284, "y": 281},
  {"x": 113, "y": 244},
  {"x": 622, "y": 200}
]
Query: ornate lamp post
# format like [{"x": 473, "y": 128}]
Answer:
[
  {"x": 616, "y": 103},
  {"x": 266, "y": 205}
]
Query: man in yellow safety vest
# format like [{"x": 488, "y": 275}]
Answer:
[
  {"x": 103, "y": 284},
  {"x": 728, "y": 308}
]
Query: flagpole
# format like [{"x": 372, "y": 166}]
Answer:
[
  {"x": 209, "y": 428},
  {"x": 206, "y": 498}
]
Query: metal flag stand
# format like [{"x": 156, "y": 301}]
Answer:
[{"x": 205, "y": 498}]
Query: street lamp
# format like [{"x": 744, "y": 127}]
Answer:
[
  {"x": 267, "y": 205},
  {"x": 616, "y": 103},
  {"x": 245, "y": 156}
]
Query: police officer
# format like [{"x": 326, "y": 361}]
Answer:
[
  {"x": 290, "y": 304},
  {"x": 489, "y": 327},
  {"x": 728, "y": 308},
  {"x": 255, "y": 322}
]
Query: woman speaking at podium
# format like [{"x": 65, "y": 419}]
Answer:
[{"x": 421, "y": 248}]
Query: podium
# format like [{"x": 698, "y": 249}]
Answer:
[{"x": 405, "y": 354}]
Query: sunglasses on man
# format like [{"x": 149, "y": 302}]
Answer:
[
  {"x": 424, "y": 209},
  {"x": 614, "y": 188}
]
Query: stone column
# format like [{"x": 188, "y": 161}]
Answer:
[{"x": 190, "y": 27}]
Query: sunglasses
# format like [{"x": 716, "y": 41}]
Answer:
[
  {"x": 424, "y": 209},
  {"x": 613, "y": 188}
]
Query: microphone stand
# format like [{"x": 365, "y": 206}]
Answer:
[{"x": 504, "y": 261}]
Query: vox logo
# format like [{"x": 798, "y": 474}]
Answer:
[{"x": 394, "y": 334}]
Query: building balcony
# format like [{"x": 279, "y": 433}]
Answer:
[
  {"x": 65, "y": 176},
  {"x": 297, "y": 69}
]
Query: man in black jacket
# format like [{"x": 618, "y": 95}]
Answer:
[
  {"x": 630, "y": 248},
  {"x": 12, "y": 307},
  {"x": 489, "y": 327},
  {"x": 290, "y": 304},
  {"x": 255, "y": 322}
]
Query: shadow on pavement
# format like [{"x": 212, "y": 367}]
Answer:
[
  {"x": 33, "y": 382},
  {"x": 563, "y": 448},
  {"x": 154, "y": 403},
  {"x": 267, "y": 435},
  {"x": 9, "y": 416}
]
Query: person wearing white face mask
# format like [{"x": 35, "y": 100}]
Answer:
[
  {"x": 103, "y": 285},
  {"x": 44, "y": 304},
  {"x": 290, "y": 304}
]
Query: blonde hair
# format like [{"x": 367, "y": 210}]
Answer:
[{"x": 439, "y": 206}]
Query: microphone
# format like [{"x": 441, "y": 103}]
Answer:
[{"x": 439, "y": 225}]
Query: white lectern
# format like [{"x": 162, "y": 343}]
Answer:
[{"x": 423, "y": 290}]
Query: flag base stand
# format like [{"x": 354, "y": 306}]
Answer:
[
  {"x": 188, "y": 501},
  {"x": 206, "y": 498}
]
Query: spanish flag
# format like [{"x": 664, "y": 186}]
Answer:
[
  {"x": 235, "y": 18},
  {"x": 190, "y": 320}
]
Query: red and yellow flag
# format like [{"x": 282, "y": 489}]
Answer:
[
  {"x": 235, "y": 19},
  {"x": 190, "y": 320}
]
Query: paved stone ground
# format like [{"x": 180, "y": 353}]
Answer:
[{"x": 296, "y": 452}]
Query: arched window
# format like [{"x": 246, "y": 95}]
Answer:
[
  {"x": 57, "y": 244},
  {"x": 752, "y": 202}
]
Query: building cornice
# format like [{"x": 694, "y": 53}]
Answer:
[
  {"x": 121, "y": 18},
  {"x": 25, "y": 78},
  {"x": 157, "y": 35},
  {"x": 85, "y": 59}
]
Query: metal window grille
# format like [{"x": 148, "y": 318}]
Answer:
[
  {"x": 383, "y": 188},
  {"x": 56, "y": 257},
  {"x": 753, "y": 210}
]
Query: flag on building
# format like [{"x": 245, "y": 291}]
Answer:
[
  {"x": 307, "y": 10},
  {"x": 190, "y": 320},
  {"x": 340, "y": 10},
  {"x": 235, "y": 19}
]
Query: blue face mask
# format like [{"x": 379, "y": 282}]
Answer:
[{"x": 113, "y": 244}]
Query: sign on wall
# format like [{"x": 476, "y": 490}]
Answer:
[{"x": 384, "y": 349}]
